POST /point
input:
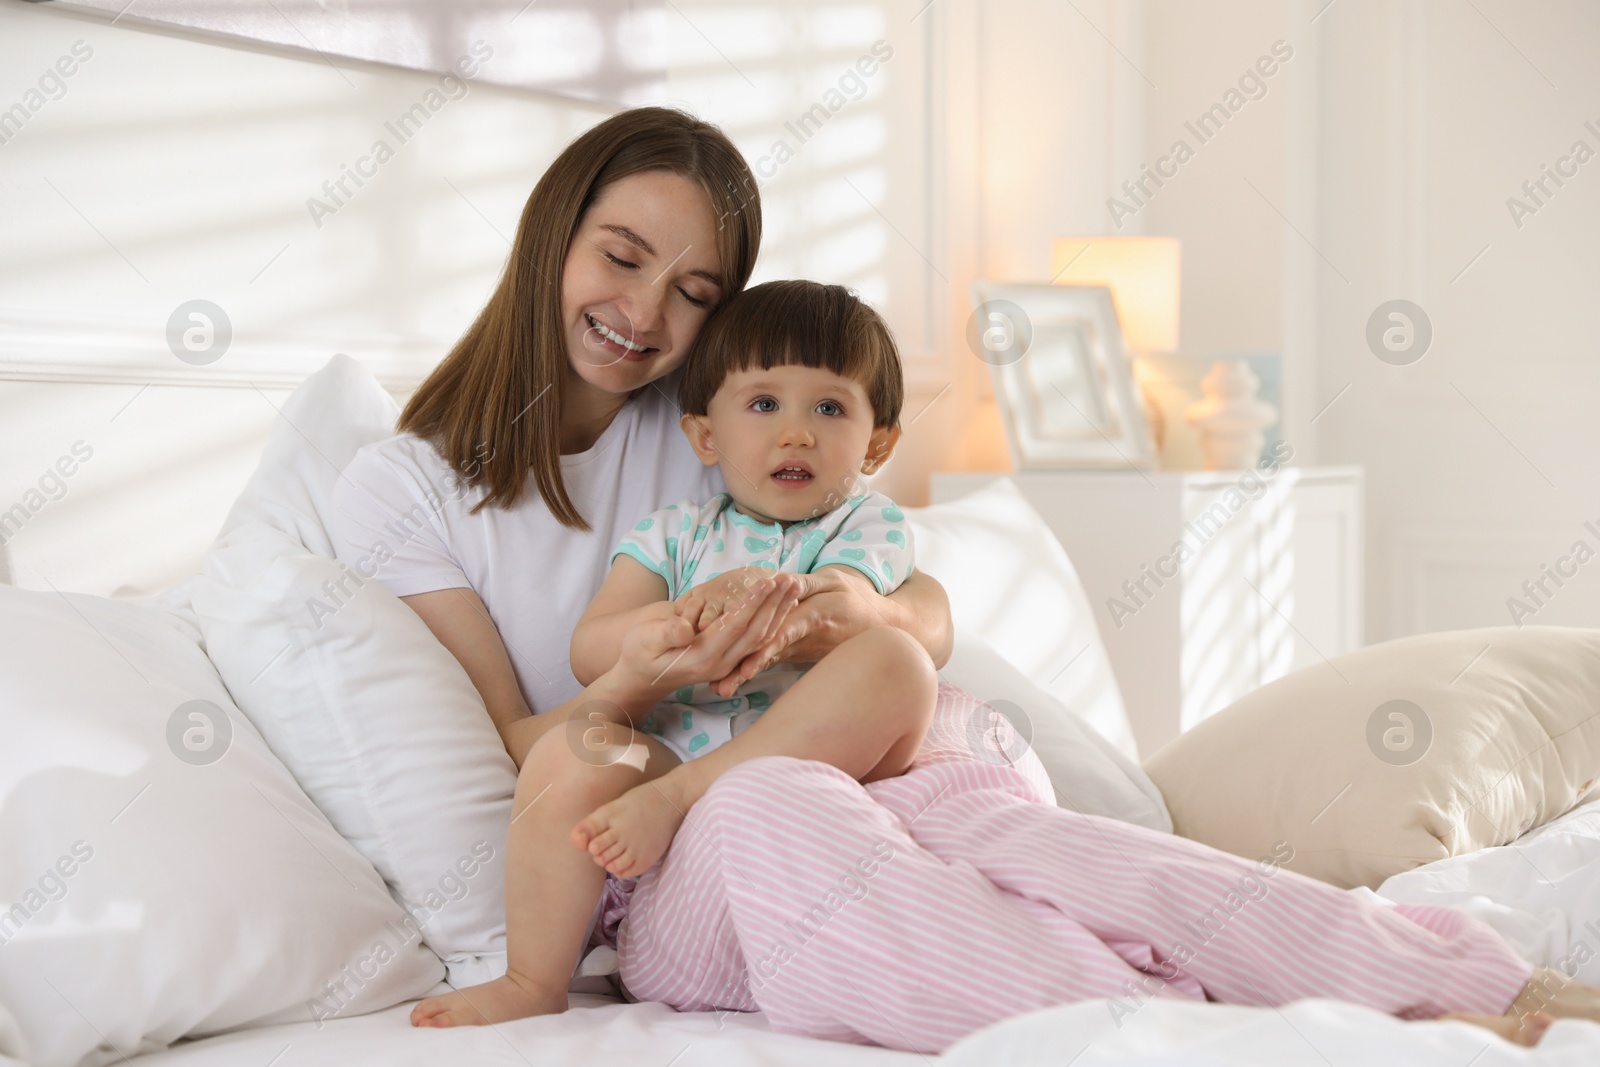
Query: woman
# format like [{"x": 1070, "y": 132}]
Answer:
[
  {"x": 629, "y": 240},
  {"x": 905, "y": 913}
]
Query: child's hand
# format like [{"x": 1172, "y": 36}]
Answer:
[
  {"x": 699, "y": 607},
  {"x": 709, "y": 600}
]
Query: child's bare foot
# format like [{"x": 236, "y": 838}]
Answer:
[
  {"x": 628, "y": 835},
  {"x": 1518, "y": 1029},
  {"x": 492, "y": 1002}
]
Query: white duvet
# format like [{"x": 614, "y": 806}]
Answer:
[{"x": 1543, "y": 893}]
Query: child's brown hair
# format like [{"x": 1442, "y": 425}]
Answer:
[{"x": 796, "y": 323}]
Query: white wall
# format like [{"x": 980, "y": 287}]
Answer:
[
  {"x": 191, "y": 161},
  {"x": 1232, "y": 239},
  {"x": 866, "y": 200},
  {"x": 1377, "y": 166},
  {"x": 1479, "y": 460},
  {"x": 1049, "y": 113},
  {"x": 174, "y": 168},
  {"x": 1381, "y": 159}
]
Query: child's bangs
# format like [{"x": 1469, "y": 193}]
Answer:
[
  {"x": 796, "y": 323},
  {"x": 805, "y": 336}
]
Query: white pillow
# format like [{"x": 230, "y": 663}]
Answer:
[
  {"x": 377, "y": 720},
  {"x": 381, "y": 726},
  {"x": 1089, "y": 774},
  {"x": 331, "y": 415},
  {"x": 1010, "y": 581},
  {"x": 147, "y": 893}
]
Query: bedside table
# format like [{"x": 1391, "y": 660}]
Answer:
[{"x": 1269, "y": 578}]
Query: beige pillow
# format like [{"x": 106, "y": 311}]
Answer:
[{"x": 1397, "y": 755}]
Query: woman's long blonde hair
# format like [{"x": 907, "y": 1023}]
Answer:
[{"x": 474, "y": 407}]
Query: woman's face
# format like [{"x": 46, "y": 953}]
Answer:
[{"x": 641, "y": 276}]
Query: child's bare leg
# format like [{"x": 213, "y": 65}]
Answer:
[
  {"x": 863, "y": 708},
  {"x": 551, "y": 886}
]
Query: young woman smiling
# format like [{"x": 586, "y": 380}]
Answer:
[{"x": 551, "y": 427}]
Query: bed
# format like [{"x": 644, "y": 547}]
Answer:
[
  {"x": 210, "y": 860},
  {"x": 1500, "y": 884}
]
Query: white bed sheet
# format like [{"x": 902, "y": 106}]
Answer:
[
  {"x": 1542, "y": 893},
  {"x": 597, "y": 1032}
]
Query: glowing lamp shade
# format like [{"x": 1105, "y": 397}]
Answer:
[{"x": 1142, "y": 273}]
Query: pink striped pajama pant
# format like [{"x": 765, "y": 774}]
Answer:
[{"x": 912, "y": 911}]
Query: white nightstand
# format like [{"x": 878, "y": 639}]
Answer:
[{"x": 1270, "y": 581}]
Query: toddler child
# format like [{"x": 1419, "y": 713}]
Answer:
[{"x": 794, "y": 389}]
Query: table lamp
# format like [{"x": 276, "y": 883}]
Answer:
[{"x": 1142, "y": 273}]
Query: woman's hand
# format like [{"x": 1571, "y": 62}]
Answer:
[
  {"x": 703, "y": 604},
  {"x": 663, "y": 654},
  {"x": 835, "y": 604}
]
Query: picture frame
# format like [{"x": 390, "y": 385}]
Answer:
[{"x": 1062, "y": 378}]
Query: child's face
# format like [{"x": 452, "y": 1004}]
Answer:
[{"x": 763, "y": 422}]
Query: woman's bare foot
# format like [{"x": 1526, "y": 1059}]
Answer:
[
  {"x": 628, "y": 835},
  {"x": 1518, "y": 1029},
  {"x": 492, "y": 1002},
  {"x": 1550, "y": 991}
]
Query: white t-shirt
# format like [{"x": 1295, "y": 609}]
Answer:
[{"x": 399, "y": 507}]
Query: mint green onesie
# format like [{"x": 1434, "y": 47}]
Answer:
[{"x": 688, "y": 543}]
